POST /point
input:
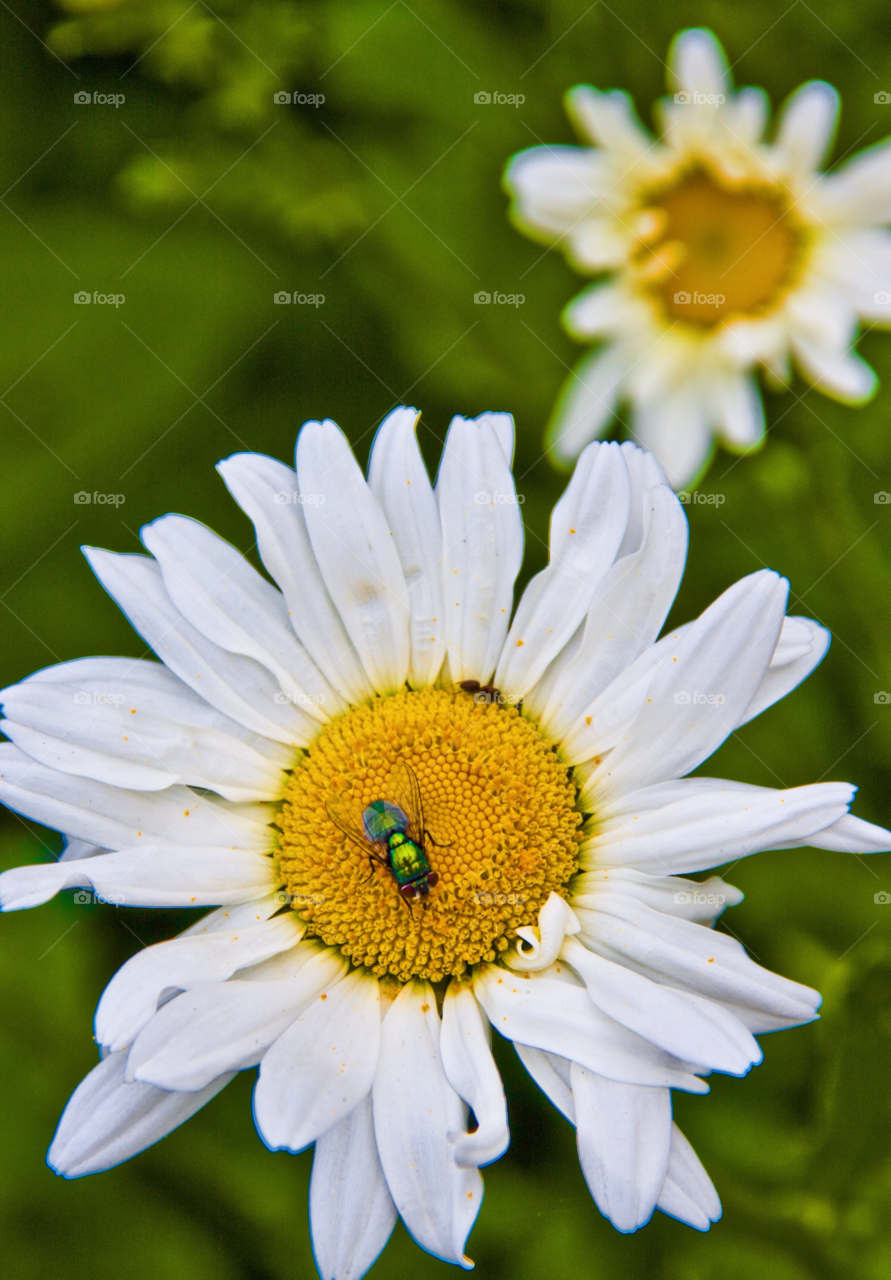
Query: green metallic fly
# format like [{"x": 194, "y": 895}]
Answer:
[{"x": 392, "y": 833}]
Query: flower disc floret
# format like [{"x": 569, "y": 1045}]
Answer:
[{"x": 495, "y": 795}]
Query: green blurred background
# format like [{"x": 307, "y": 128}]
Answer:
[{"x": 198, "y": 198}]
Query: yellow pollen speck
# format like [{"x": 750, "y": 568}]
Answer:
[
  {"x": 495, "y": 795},
  {"x": 519, "y": 644}
]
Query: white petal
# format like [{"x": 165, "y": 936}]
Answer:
[
  {"x": 842, "y": 374},
  {"x": 230, "y": 1026},
  {"x": 398, "y": 479},
  {"x": 266, "y": 490},
  {"x": 503, "y": 426},
  {"x": 235, "y": 685},
  {"x": 587, "y": 402},
  {"x": 356, "y": 553},
  {"x": 482, "y": 534},
  {"x": 222, "y": 595},
  {"x": 560, "y": 1018},
  {"x": 685, "y": 1025},
  {"x": 699, "y": 900},
  {"x": 691, "y": 957},
  {"x": 675, "y": 427},
  {"x": 739, "y": 411},
  {"x": 543, "y": 942},
  {"x": 351, "y": 1212},
  {"x": 806, "y": 129},
  {"x": 700, "y": 691},
  {"x": 597, "y": 311},
  {"x": 707, "y": 828},
  {"x": 321, "y": 1067},
  {"x": 687, "y": 1193},
  {"x": 801, "y": 647},
  {"x": 852, "y": 835},
  {"x": 587, "y": 528},
  {"x": 697, "y": 62},
  {"x": 415, "y": 1110},
  {"x": 132, "y": 996},
  {"x": 859, "y": 193},
  {"x": 114, "y": 818},
  {"x": 609, "y": 120},
  {"x": 150, "y": 876},
  {"x": 552, "y": 188},
  {"x": 470, "y": 1070},
  {"x": 543, "y": 1067},
  {"x": 133, "y": 743},
  {"x": 624, "y": 1139},
  {"x": 107, "y": 1121},
  {"x": 75, "y": 849},
  {"x": 628, "y": 612}
]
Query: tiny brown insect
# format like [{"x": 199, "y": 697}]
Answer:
[{"x": 482, "y": 692}]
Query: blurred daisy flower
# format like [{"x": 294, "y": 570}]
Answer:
[
  {"x": 418, "y": 819},
  {"x": 722, "y": 252}
]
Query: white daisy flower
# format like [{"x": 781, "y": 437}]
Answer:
[
  {"x": 531, "y": 881},
  {"x": 722, "y": 252}
]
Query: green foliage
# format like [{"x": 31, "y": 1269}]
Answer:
[{"x": 386, "y": 200}]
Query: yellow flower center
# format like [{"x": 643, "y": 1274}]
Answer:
[
  {"x": 717, "y": 251},
  {"x": 495, "y": 796}
]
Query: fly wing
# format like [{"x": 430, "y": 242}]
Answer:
[
  {"x": 343, "y": 818},
  {"x": 403, "y": 786}
]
